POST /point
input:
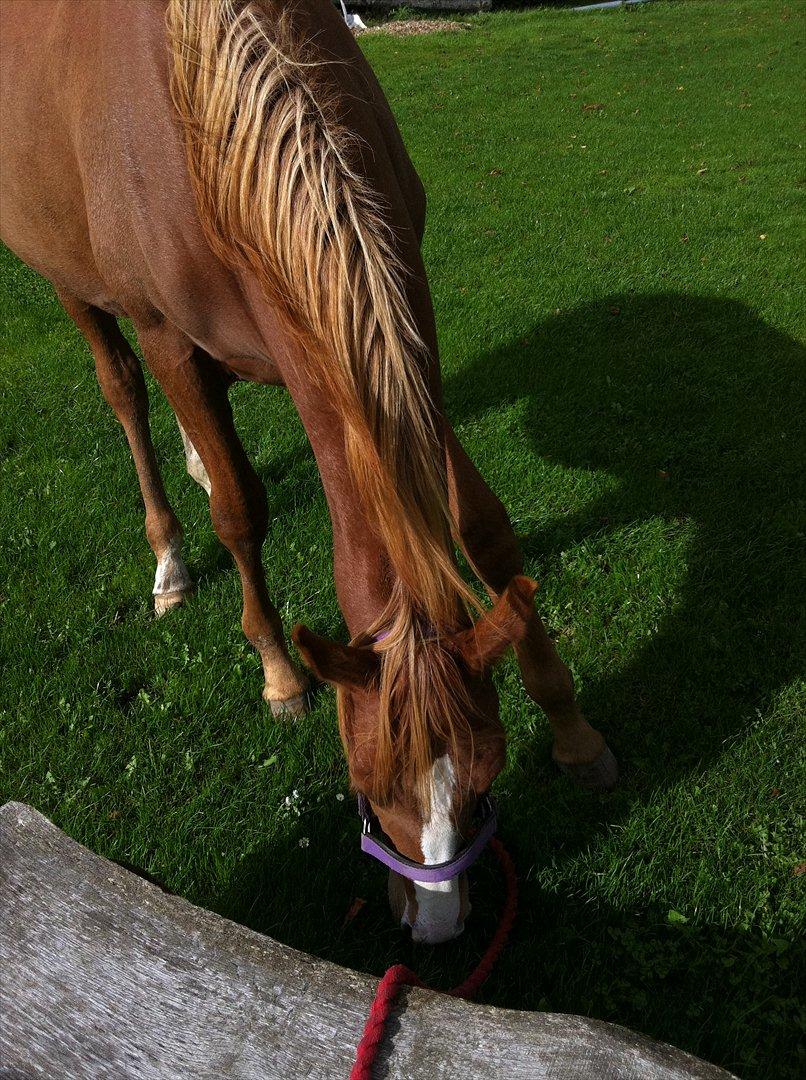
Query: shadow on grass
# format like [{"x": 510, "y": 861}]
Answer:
[
  {"x": 695, "y": 407},
  {"x": 725, "y": 995}
]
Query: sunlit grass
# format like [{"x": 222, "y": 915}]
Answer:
[{"x": 614, "y": 244}]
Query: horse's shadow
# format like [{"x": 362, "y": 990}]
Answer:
[{"x": 690, "y": 411}]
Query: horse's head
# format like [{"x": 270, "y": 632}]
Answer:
[{"x": 425, "y": 746}]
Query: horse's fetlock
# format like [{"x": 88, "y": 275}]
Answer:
[{"x": 163, "y": 530}]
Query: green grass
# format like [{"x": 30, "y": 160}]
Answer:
[{"x": 614, "y": 243}]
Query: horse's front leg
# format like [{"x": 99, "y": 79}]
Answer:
[
  {"x": 197, "y": 391},
  {"x": 488, "y": 541}
]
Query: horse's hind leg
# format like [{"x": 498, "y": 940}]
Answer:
[
  {"x": 491, "y": 548},
  {"x": 195, "y": 465},
  {"x": 197, "y": 391},
  {"x": 121, "y": 380}
]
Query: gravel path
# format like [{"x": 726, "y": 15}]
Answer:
[{"x": 409, "y": 27}]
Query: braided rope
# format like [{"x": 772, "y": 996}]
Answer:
[{"x": 399, "y": 975}]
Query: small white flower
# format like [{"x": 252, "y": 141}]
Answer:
[
  {"x": 295, "y": 794},
  {"x": 340, "y": 797},
  {"x": 304, "y": 841},
  {"x": 288, "y": 800}
]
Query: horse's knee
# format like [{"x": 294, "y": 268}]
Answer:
[
  {"x": 240, "y": 513},
  {"x": 120, "y": 378},
  {"x": 488, "y": 540}
]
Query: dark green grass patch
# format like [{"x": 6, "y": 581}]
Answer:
[{"x": 615, "y": 249}]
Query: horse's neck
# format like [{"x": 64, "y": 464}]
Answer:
[{"x": 361, "y": 568}]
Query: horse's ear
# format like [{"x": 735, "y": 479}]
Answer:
[
  {"x": 343, "y": 665},
  {"x": 504, "y": 625}
]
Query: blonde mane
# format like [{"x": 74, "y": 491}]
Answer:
[{"x": 280, "y": 193}]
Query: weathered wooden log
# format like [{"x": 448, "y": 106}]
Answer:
[{"x": 104, "y": 975}]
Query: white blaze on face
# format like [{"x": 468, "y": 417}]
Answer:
[{"x": 439, "y": 903}]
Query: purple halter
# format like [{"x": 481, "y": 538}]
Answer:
[{"x": 414, "y": 871}]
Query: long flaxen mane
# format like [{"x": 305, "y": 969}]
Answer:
[{"x": 280, "y": 195}]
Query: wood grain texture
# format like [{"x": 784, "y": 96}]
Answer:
[{"x": 106, "y": 976}]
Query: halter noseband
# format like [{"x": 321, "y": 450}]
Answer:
[{"x": 384, "y": 852}]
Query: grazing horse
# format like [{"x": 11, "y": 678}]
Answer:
[{"x": 228, "y": 175}]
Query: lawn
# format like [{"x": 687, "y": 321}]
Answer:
[{"x": 615, "y": 244}]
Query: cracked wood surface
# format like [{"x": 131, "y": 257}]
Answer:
[{"x": 104, "y": 975}]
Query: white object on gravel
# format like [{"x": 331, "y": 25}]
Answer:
[{"x": 353, "y": 21}]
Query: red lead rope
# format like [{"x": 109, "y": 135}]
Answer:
[{"x": 399, "y": 975}]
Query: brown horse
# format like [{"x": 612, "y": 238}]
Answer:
[{"x": 227, "y": 174}]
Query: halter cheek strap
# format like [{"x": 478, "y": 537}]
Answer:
[{"x": 385, "y": 853}]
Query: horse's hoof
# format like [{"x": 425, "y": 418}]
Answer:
[
  {"x": 601, "y": 774},
  {"x": 291, "y": 707},
  {"x": 165, "y": 602}
]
